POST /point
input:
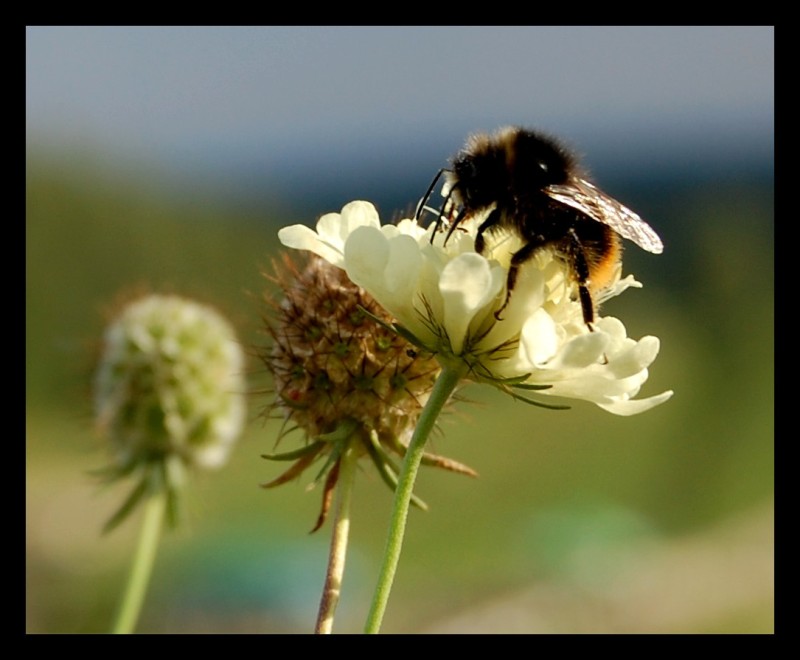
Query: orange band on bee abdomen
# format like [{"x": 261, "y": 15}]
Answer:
[{"x": 603, "y": 264}]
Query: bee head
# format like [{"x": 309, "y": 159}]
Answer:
[
  {"x": 478, "y": 179},
  {"x": 502, "y": 167},
  {"x": 480, "y": 175}
]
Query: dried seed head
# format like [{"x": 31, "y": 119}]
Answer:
[
  {"x": 333, "y": 363},
  {"x": 340, "y": 375}
]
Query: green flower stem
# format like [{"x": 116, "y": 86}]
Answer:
[
  {"x": 339, "y": 538},
  {"x": 442, "y": 389},
  {"x": 128, "y": 614}
]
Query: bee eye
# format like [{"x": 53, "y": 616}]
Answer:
[
  {"x": 462, "y": 192},
  {"x": 472, "y": 170},
  {"x": 465, "y": 170}
]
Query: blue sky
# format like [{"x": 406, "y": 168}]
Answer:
[
  {"x": 218, "y": 99},
  {"x": 170, "y": 86}
]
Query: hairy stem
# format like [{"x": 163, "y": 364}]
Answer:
[
  {"x": 139, "y": 577},
  {"x": 338, "y": 551},
  {"x": 442, "y": 389}
]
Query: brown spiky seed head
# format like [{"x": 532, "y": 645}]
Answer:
[{"x": 332, "y": 364}]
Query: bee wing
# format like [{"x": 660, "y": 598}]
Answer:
[{"x": 587, "y": 198}]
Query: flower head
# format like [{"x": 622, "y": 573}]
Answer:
[
  {"x": 342, "y": 375},
  {"x": 445, "y": 298},
  {"x": 170, "y": 381},
  {"x": 169, "y": 388}
]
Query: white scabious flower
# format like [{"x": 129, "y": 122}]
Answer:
[
  {"x": 444, "y": 299},
  {"x": 170, "y": 383}
]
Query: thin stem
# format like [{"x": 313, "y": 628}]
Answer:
[
  {"x": 139, "y": 578},
  {"x": 339, "y": 538},
  {"x": 442, "y": 389}
]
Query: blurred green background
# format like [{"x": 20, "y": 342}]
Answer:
[
  {"x": 165, "y": 159},
  {"x": 580, "y": 520}
]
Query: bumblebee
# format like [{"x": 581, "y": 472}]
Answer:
[{"x": 534, "y": 187}]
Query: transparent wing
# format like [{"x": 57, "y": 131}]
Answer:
[{"x": 587, "y": 198}]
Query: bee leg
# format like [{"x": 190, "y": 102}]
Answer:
[
  {"x": 581, "y": 269},
  {"x": 587, "y": 305},
  {"x": 517, "y": 259},
  {"x": 453, "y": 226},
  {"x": 492, "y": 219}
]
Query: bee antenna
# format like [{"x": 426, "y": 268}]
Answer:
[
  {"x": 424, "y": 200},
  {"x": 440, "y": 216}
]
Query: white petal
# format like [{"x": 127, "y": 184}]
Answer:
[
  {"x": 380, "y": 263},
  {"x": 403, "y": 265},
  {"x": 332, "y": 232},
  {"x": 468, "y": 285},
  {"x": 411, "y": 228},
  {"x": 581, "y": 351},
  {"x": 301, "y": 237},
  {"x": 389, "y": 269},
  {"x": 539, "y": 338},
  {"x": 358, "y": 214},
  {"x": 527, "y": 297},
  {"x": 366, "y": 253},
  {"x": 612, "y": 327},
  {"x": 635, "y": 358},
  {"x": 592, "y": 385},
  {"x": 634, "y": 407},
  {"x": 331, "y": 229}
]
